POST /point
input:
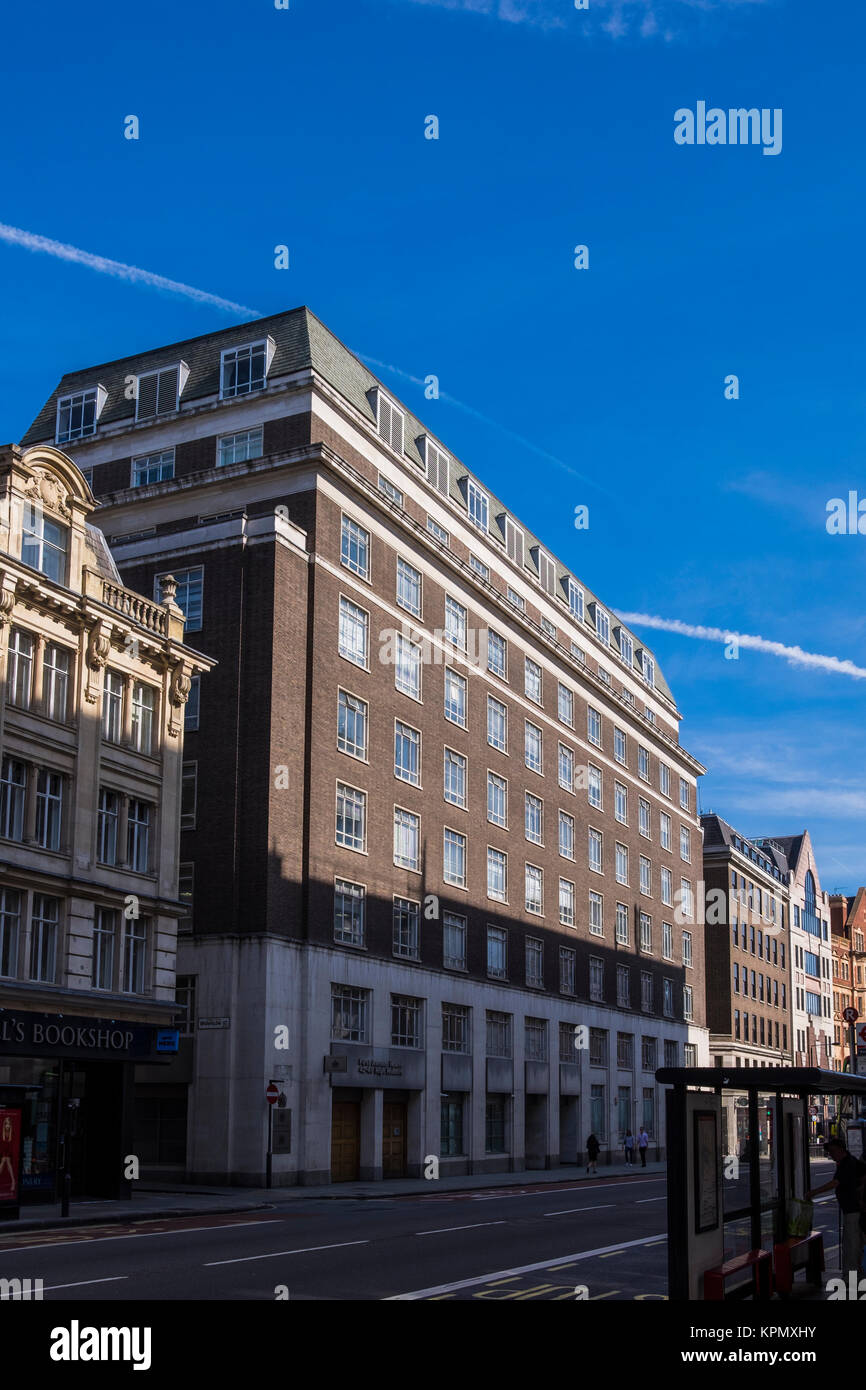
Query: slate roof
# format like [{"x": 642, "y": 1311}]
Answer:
[
  {"x": 719, "y": 834},
  {"x": 302, "y": 342},
  {"x": 99, "y": 557}
]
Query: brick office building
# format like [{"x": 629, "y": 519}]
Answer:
[
  {"x": 94, "y": 680},
  {"x": 747, "y": 948},
  {"x": 848, "y": 943},
  {"x": 437, "y": 812}
]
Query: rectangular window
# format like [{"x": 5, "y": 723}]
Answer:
[
  {"x": 566, "y": 835},
  {"x": 649, "y": 1049},
  {"x": 535, "y": 971},
  {"x": 495, "y": 1125},
  {"x": 645, "y": 876},
  {"x": 406, "y": 1021},
  {"x": 667, "y": 941},
  {"x": 10, "y": 927},
  {"x": 407, "y": 753},
  {"x": 49, "y": 809},
  {"x": 498, "y": 1042},
  {"x": 13, "y": 785},
  {"x": 664, "y": 830},
  {"x": 44, "y": 931},
  {"x": 687, "y": 948},
  {"x": 534, "y": 893},
  {"x": 477, "y": 505},
  {"x": 625, "y": 1052},
  {"x": 407, "y": 667},
  {"x": 455, "y": 778},
  {"x": 575, "y": 600},
  {"x": 667, "y": 887},
  {"x": 153, "y": 468},
  {"x": 626, "y": 648},
  {"x": 594, "y": 786},
  {"x": 621, "y": 863},
  {"x": 107, "y": 822},
  {"x": 112, "y": 706},
  {"x": 105, "y": 930},
  {"x": 643, "y": 763},
  {"x": 239, "y": 447},
  {"x": 686, "y": 898},
  {"x": 44, "y": 543},
  {"x": 55, "y": 681},
  {"x": 76, "y": 415},
  {"x": 595, "y": 851},
  {"x": 684, "y": 794},
  {"x": 188, "y": 795},
  {"x": 134, "y": 948},
  {"x": 621, "y": 924},
  {"x": 517, "y": 599},
  {"x": 602, "y": 625},
  {"x": 479, "y": 567},
  {"x": 598, "y": 1050},
  {"x": 535, "y": 1036},
  {"x": 455, "y": 1028},
  {"x": 565, "y": 705},
  {"x": 351, "y": 725},
  {"x": 438, "y": 531},
  {"x": 596, "y": 914},
  {"x": 532, "y": 747},
  {"x": 454, "y": 858},
  {"x": 534, "y": 819},
  {"x": 496, "y": 653},
  {"x": 406, "y": 928},
  {"x": 497, "y": 799},
  {"x": 143, "y": 707},
  {"x": 455, "y": 698},
  {"x": 497, "y": 724},
  {"x": 644, "y": 817},
  {"x": 623, "y": 987},
  {"x": 532, "y": 681},
  {"x": 350, "y": 1014},
  {"x": 646, "y": 932},
  {"x": 453, "y": 942},
  {"x": 354, "y": 629},
  {"x": 687, "y": 1003},
  {"x": 596, "y": 979},
  {"x": 244, "y": 369},
  {"x": 685, "y": 845},
  {"x": 192, "y": 706},
  {"x": 351, "y": 817},
  {"x": 349, "y": 913},
  {"x": 455, "y": 623},
  {"x": 664, "y": 779},
  {"x": 497, "y": 875},
  {"x": 408, "y": 587},
  {"x": 566, "y": 902},
  {"x": 621, "y": 803},
  {"x": 19, "y": 678},
  {"x": 138, "y": 835},
  {"x": 407, "y": 839},
  {"x": 566, "y": 768},
  {"x": 619, "y": 746},
  {"x": 647, "y": 1002},
  {"x": 567, "y": 975},
  {"x": 355, "y": 548},
  {"x": 189, "y": 595},
  {"x": 593, "y": 726},
  {"x": 497, "y": 955}
]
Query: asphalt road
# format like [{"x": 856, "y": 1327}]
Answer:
[{"x": 520, "y": 1244}]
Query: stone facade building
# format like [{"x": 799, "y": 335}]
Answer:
[
  {"x": 437, "y": 818},
  {"x": 95, "y": 678},
  {"x": 848, "y": 941}
]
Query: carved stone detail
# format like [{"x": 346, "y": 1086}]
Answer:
[
  {"x": 46, "y": 489},
  {"x": 98, "y": 651},
  {"x": 179, "y": 687}
]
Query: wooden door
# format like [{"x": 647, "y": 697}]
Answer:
[
  {"x": 394, "y": 1139},
  {"x": 345, "y": 1140}
]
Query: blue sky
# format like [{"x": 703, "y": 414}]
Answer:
[{"x": 455, "y": 257}]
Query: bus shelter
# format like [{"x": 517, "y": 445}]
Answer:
[{"x": 738, "y": 1153}]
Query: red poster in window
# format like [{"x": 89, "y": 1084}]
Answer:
[{"x": 10, "y": 1152}]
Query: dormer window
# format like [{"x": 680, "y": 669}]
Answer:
[
  {"x": 159, "y": 392},
  {"x": 437, "y": 466},
  {"x": 389, "y": 421},
  {"x": 575, "y": 600},
  {"x": 626, "y": 648},
  {"x": 44, "y": 543},
  {"x": 602, "y": 624},
  {"x": 478, "y": 505},
  {"x": 77, "y": 415},
  {"x": 546, "y": 570},
  {"x": 513, "y": 542},
  {"x": 245, "y": 369},
  {"x": 649, "y": 669}
]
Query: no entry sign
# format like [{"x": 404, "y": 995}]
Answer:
[{"x": 272, "y": 1093}]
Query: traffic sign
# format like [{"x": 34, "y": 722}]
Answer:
[
  {"x": 850, "y": 1015},
  {"x": 861, "y": 1033},
  {"x": 272, "y": 1093}
]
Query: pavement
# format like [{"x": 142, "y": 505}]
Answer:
[{"x": 157, "y": 1201}]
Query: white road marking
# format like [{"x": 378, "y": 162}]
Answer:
[
  {"x": 139, "y": 1235},
  {"x": 551, "y": 1191},
  {"x": 521, "y": 1269},
  {"x": 114, "y": 1278},
  {"x": 568, "y": 1210},
  {"x": 640, "y": 1200},
  {"x": 245, "y": 1259},
  {"x": 474, "y": 1227}
]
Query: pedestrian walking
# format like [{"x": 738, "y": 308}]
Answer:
[
  {"x": 643, "y": 1145},
  {"x": 592, "y": 1148},
  {"x": 629, "y": 1147},
  {"x": 849, "y": 1183}
]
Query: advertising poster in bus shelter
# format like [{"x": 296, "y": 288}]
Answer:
[{"x": 10, "y": 1156}]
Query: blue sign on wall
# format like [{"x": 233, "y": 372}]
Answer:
[{"x": 167, "y": 1040}]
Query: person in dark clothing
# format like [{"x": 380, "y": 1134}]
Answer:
[
  {"x": 592, "y": 1148},
  {"x": 643, "y": 1145},
  {"x": 848, "y": 1183}
]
